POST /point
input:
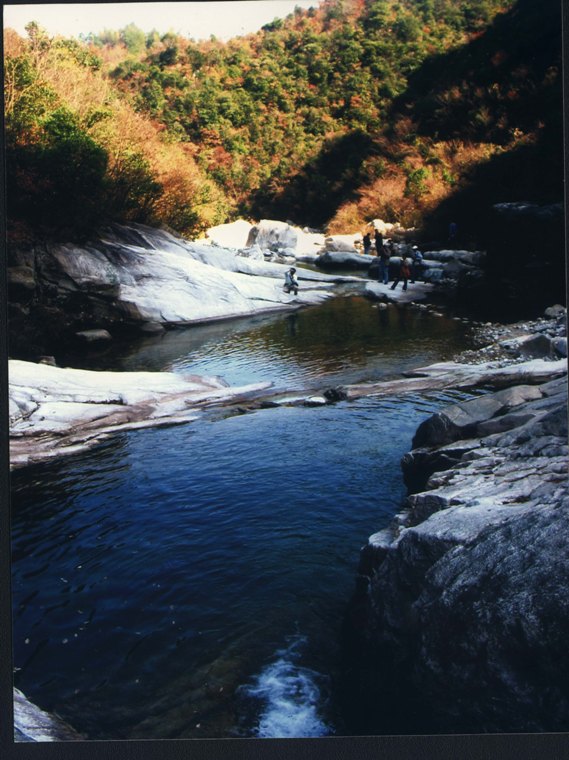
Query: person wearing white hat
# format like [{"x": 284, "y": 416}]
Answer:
[{"x": 417, "y": 266}]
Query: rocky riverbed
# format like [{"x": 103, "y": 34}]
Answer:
[
  {"x": 479, "y": 547},
  {"x": 461, "y": 612}
]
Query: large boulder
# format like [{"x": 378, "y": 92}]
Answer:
[
  {"x": 462, "y": 598},
  {"x": 344, "y": 260},
  {"x": 343, "y": 243},
  {"x": 557, "y": 311},
  {"x": 472, "y": 258},
  {"x": 494, "y": 624},
  {"x": 559, "y": 346},
  {"x": 309, "y": 245},
  {"x": 387, "y": 229},
  {"x": 233, "y": 235},
  {"x": 463, "y": 420},
  {"x": 272, "y": 236}
]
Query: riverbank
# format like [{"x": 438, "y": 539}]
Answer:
[
  {"x": 461, "y": 610},
  {"x": 500, "y": 337},
  {"x": 134, "y": 280}
]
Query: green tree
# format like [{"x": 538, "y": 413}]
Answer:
[
  {"x": 134, "y": 38},
  {"x": 415, "y": 185}
]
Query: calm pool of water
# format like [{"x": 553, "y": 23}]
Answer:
[
  {"x": 343, "y": 340},
  {"x": 190, "y": 581}
]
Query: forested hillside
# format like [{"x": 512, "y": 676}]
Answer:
[
  {"x": 331, "y": 117},
  {"x": 78, "y": 155}
]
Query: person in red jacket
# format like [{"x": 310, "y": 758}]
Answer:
[{"x": 403, "y": 274}]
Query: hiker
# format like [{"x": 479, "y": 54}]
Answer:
[
  {"x": 417, "y": 265},
  {"x": 452, "y": 232},
  {"x": 384, "y": 257},
  {"x": 291, "y": 283},
  {"x": 367, "y": 243},
  {"x": 403, "y": 274},
  {"x": 378, "y": 237}
]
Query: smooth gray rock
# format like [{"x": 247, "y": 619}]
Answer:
[
  {"x": 340, "y": 243},
  {"x": 472, "y": 258},
  {"x": 536, "y": 346},
  {"x": 344, "y": 259},
  {"x": 461, "y": 420},
  {"x": 55, "y": 411},
  {"x": 232, "y": 235},
  {"x": 133, "y": 274},
  {"x": 464, "y": 596},
  {"x": 493, "y": 623},
  {"x": 560, "y": 346},
  {"x": 272, "y": 235}
]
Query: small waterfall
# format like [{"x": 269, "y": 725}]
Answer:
[{"x": 289, "y": 697}]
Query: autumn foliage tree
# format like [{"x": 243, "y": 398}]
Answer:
[{"x": 79, "y": 156}]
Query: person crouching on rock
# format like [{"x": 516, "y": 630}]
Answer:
[
  {"x": 403, "y": 274},
  {"x": 291, "y": 283}
]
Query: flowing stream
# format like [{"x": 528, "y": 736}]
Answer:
[{"x": 191, "y": 581}]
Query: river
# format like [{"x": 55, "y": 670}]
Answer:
[{"x": 190, "y": 581}]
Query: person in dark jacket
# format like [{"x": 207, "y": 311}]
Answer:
[
  {"x": 452, "y": 232},
  {"x": 367, "y": 242},
  {"x": 378, "y": 237},
  {"x": 384, "y": 257}
]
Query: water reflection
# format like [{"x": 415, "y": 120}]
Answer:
[{"x": 343, "y": 340}]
